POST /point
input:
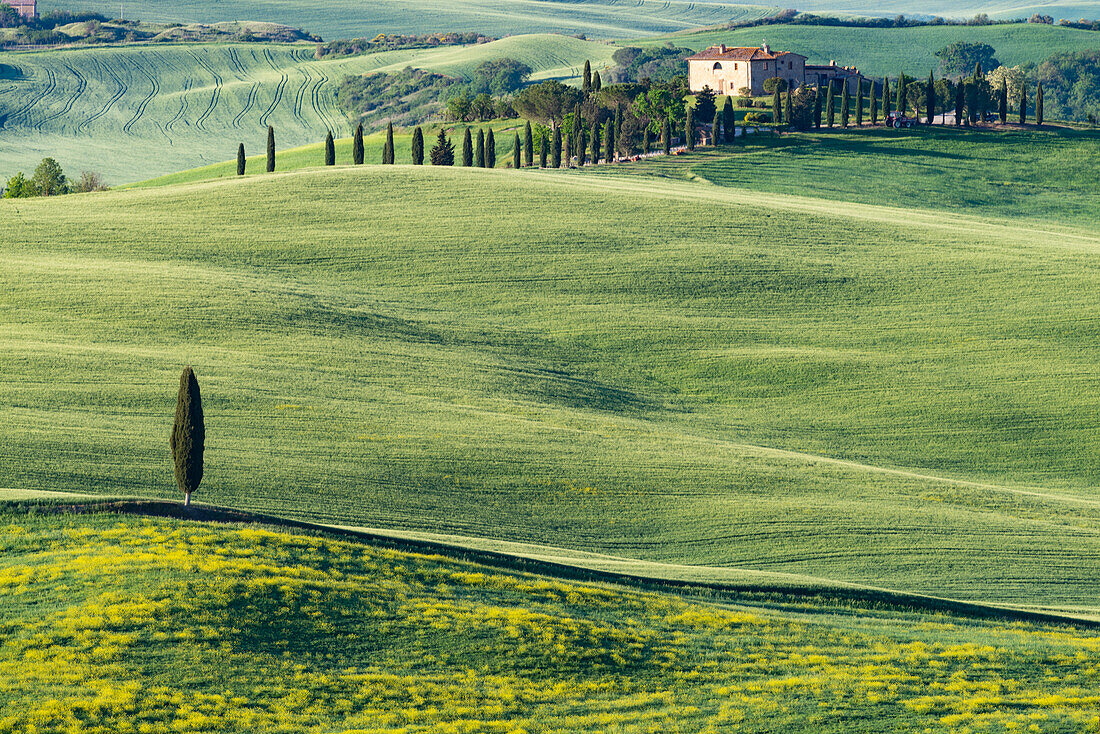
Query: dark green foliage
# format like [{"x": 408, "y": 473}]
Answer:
[
  {"x": 716, "y": 128},
  {"x": 547, "y": 102},
  {"x": 544, "y": 150},
  {"x": 788, "y": 111},
  {"x": 188, "y": 438},
  {"x": 729, "y": 121},
  {"x": 479, "y": 150},
  {"x": 930, "y": 99},
  {"x": 704, "y": 104},
  {"x": 49, "y": 179},
  {"x": 830, "y": 105},
  {"x": 777, "y": 111},
  {"x": 609, "y": 141},
  {"x": 900, "y": 103},
  {"x": 666, "y": 137},
  {"x": 1002, "y": 102},
  {"x": 417, "y": 148},
  {"x": 389, "y": 156},
  {"x": 647, "y": 143},
  {"x": 586, "y": 78},
  {"x": 330, "y": 149},
  {"x": 567, "y": 153},
  {"x": 775, "y": 84},
  {"x": 443, "y": 152},
  {"x": 582, "y": 148},
  {"x": 597, "y": 83},
  {"x": 845, "y": 106},
  {"x": 962, "y": 56},
  {"x": 555, "y": 149},
  {"x": 393, "y": 42},
  {"x": 241, "y": 161},
  {"x": 467, "y": 149},
  {"x": 885, "y": 97},
  {"x": 528, "y": 146},
  {"x": 404, "y": 97},
  {"x": 270, "y": 149},
  {"x": 689, "y": 130},
  {"x": 1039, "y": 104},
  {"x": 595, "y": 141},
  {"x": 490, "y": 150},
  {"x": 817, "y": 108},
  {"x": 617, "y": 131},
  {"x": 515, "y": 152},
  {"x": 657, "y": 63},
  {"x": 499, "y": 77},
  {"x": 971, "y": 91},
  {"x": 874, "y": 105},
  {"x": 960, "y": 97},
  {"x": 357, "y": 146},
  {"x": 859, "y": 103},
  {"x": 1021, "y": 103}
]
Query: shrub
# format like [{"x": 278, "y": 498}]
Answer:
[
  {"x": 775, "y": 84},
  {"x": 91, "y": 181},
  {"x": 19, "y": 187},
  {"x": 745, "y": 102},
  {"x": 758, "y": 118}
]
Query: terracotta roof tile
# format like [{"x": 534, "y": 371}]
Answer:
[{"x": 739, "y": 53}]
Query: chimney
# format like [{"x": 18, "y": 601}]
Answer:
[
  {"x": 722, "y": 48},
  {"x": 765, "y": 48},
  {"x": 832, "y": 62}
]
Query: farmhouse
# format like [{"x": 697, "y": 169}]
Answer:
[
  {"x": 25, "y": 8},
  {"x": 727, "y": 70}
]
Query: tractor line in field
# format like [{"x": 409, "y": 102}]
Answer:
[
  {"x": 183, "y": 106},
  {"x": 284, "y": 78},
  {"x": 144, "y": 102},
  {"x": 299, "y": 96},
  {"x": 253, "y": 92},
  {"x": 200, "y": 123},
  {"x": 110, "y": 102},
  {"x": 81, "y": 85},
  {"x": 24, "y": 111}
]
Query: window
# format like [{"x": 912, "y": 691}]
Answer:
[
  {"x": 765, "y": 66},
  {"x": 717, "y": 67},
  {"x": 790, "y": 64},
  {"x": 735, "y": 67}
]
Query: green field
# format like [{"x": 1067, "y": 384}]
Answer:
[
  {"x": 769, "y": 382},
  {"x": 135, "y": 112},
  {"x": 115, "y": 623}
]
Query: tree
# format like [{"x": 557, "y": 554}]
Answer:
[
  {"x": 270, "y": 149},
  {"x": 962, "y": 56},
  {"x": 845, "y": 106},
  {"x": 390, "y": 153},
  {"x": 586, "y": 78},
  {"x": 705, "y": 104},
  {"x": 788, "y": 110},
  {"x": 900, "y": 104},
  {"x": 595, "y": 140},
  {"x": 241, "y": 161},
  {"x": 1021, "y": 102},
  {"x": 859, "y": 103},
  {"x": 1002, "y": 106},
  {"x": 647, "y": 142},
  {"x": 547, "y": 102},
  {"x": 666, "y": 137},
  {"x": 582, "y": 149},
  {"x": 417, "y": 147},
  {"x": 885, "y": 97},
  {"x": 357, "y": 146},
  {"x": 617, "y": 130},
  {"x": 515, "y": 152},
  {"x": 716, "y": 128},
  {"x": 188, "y": 435},
  {"x": 330, "y": 150},
  {"x": 528, "y": 146},
  {"x": 689, "y": 130},
  {"x": 817, "y": 107},
  {"x": 609, "y": 141},
  {"x": 555, "y": 149},
  {"x": 775, "y": 83},
  {"x": 960, "y": 96},
  {"x": 830, "y": 106},
  {"x": 19, "y": 187},
  {"x": 490, "y": 150},
  {"x": 49, "y": 179},
  {"x": 597, "y": 84},
  {"x": 930, "y": 99},
  {"x": 971, "y": 90},
  {"x": 467, "y": 149},
  {"x": 443, "y": 152},
  {"x": 567, "y": 153},
  {"x": 479, "y": 151},
  {"x": 1038, "y": 108},
  {"x": 874, "y": 105},
  {"x": 499, "y": 77},
  {"x": 777, "y": 111},
  {"x": 729, "y": 121}
]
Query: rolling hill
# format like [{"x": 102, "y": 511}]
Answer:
[{"x": 843, "y": 391}]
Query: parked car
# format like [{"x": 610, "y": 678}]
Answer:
[{"x": 898, "y": 120}]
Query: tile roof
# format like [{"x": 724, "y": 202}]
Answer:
[{"x": 740, "y": 53}]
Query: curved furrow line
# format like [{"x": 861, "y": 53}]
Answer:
[
  {"x": 271, "y": 60},
  {"x": 183, "y": 106},
  {"x": 200, "y": 123},
  {"x": 300, "y": 95},
  {"x": 253, "y": 92},
  {"x": 24, "y": 111},
  {"x": 235, "y": 62},
  {"x": 316, "y": 100},
  {"x": 145, "y": 102},
  {"x": 279, "y": 88},
  {"x": 81, "y": 86},
  {"x": 110, "y": 102}
]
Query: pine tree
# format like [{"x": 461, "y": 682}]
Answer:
[
  {"x": 479, "y": 151},
  {"x": 418, "y": 146},
  {"x": 960, "y": 91},
  {"x": 595, "y": 140},
  {"x": 647, "y": 142},
  {"x": 528, "y": 146},
  {"x": 555, "y": 149},
  {"x": 586, "y": 79},
  {"x": 597, "y": 84},
  {"x": 515, "y": 152},
  {"x": 1002, "y": 111},
  {"x": 490, "y": 150},
  {"x": 357, "y": 146},
  {"x": 1021, "y": 102},
  {"x": 443, "y": 152},
  {"x": 1039, "y": 104},
  {"x": 188, "y": 438},
  {"x": 716, "y": 128},
  {"x": 788, "y": 108},
  {"x": 859, "y": 103},
  {"x": 330, "y": 150},
  {"x": 874, "y": 105},
  {"x": 885, "y": 97},
  {"x": 609, "y": 142},
  {"x": 777, "y": 110},
  {"x": 689, "y": 129},
  {"x": 729, "y": 121},
  {"x": 544, "y": 150},
  {"x": 817, "y": 107},
  {"x": 240, "y": 160},
  {"x": 845, "y": 105},
  {"x": 666, "y": 136},
  {"x": 930, "y": 99},
  {"x": 467, "y": 149},
  {"x": 270, "y": 149},
  {"x": 901, "y": 105},
  {"x": 390, "y": 156},
  {"x": 830, "y": 106}
]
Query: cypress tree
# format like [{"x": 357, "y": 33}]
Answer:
[
  {"x": 830, "y": 106},
  {"x": 874, "y": 105},
  {"x": 845, "y": 106},
  {"x": 788, "y": 107},
  {"x": 418, "y": 146},
  {"x": 901, "y": 105},
  {"x": 567, "y": 154},
  {"x": 597, "y": 84},
  {"x": 330, "y": 150},
  {"x": 960, "y": 90},
  {"x": 582, "y": 149},
  {"x": 443, "y": 152},
  {"x": 716, "y": 128},
  {"x": 777, "y": 110},
  {"x": 188, "y": 439},
  {"x": 595, "y": 143},
  {"x": 729, "y": 121},
  {"x": 555, "y": 149},
  {"x": 390, "y": 157},
  {"x": 515, "y": 152},
  {"x": 586, "y": 78},
  {"x": 1039, "y": 104},
  {"x": 357, "y": 146},
  {"x": 240, "y": 160},
  {"x": 817, "y": 107},
  {"x": 647, "y": 142},
  {"x": 544, "y": 150},
  {"x": 479, "y": 151},
  {"x": 666, "y": 136},
  {"x": 885, "y": 97},
  {"x": 490, "y": 150},
  {"x": 270, "y": 149},
  {"x": 859, "y": 103},
  {"x": 578, "y": 128},
  {"x": 617, "y": 131},
  {"x": 528, "y": 146},
  {"x": 467, "y": 149},
  {"x": 971, "y": 100},
  {"x": 1021, "y": 102},
  {"x": 689, "y": 129},
  {"x": 1002, "y": 107},
  {"x": 930, "y": 99},
  {"x": 609, "y": 142}
]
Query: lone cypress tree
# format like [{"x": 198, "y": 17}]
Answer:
[
  {"x": 467, "y": 149},
  {"x": 188, "y": 435},
  {"x": 417, "y": 147},
  {"x": 1002, "y": 106},
  {"x": 729, "y": 121},
  {"x": 1021, "y": 102},
  {"x": 788, "y": 108},
  {"x": 859, "y": 103},
  {"x": 647, "y": 142},
  {"x": 830, "y": 106},
  {"x": 240, "y": 160},
  {"x": 930, "y": 99},
  {"x": 666, "y": 136},
  {"x": 716, "y": 128},
  {"x": 689, "y": 129},
  {"x": 544, "y": 150},
  {"x": 330, "y": 150},
  {"x": 885, "y": 97},
  {"x": 515, "y": 152},
  {"x": 586, "y": 78},
  {"x": 1039, "y": 104},
  {"x": 845, "y": 105},
  {"x": 270, "y": 149},
  {"x": 357, "y": 146},
  {"x": 528, "y": 146},
  {"x": 901, "y": 105},
  {"x": 597, "y": 83},
  {"x": 609, "y": 142},
  {"x": 479, "y": 151},
  {"x": 595, "y": 140},
  {"x": 490, "y": 150},
  {"x": 555, "y": 149},
  {"x": 960, "y": 92},
  {"x": 777, "y": 110},
  {"x": 443, "y": 152},
  {"x": 874, "y": 105},
  {"x": 817, "y": 107},
  {"x": 391, "y": 154}
]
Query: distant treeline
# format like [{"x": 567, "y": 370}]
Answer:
[
  {"x": 392, "y": 41},
  {"x": 795, "y": 17}
]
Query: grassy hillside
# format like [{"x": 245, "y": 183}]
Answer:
[
  {"x": 836, "y": 390},
  {"x": 880, "y": 51},
  {"x": 114, "y": 623},
  {"x": 136, "y": 112}
]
